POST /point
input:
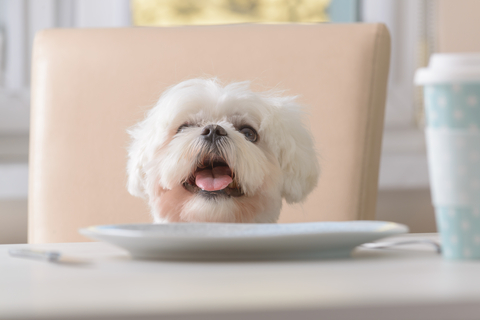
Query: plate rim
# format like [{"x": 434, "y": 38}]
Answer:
[{"x": 397, "y": 228}]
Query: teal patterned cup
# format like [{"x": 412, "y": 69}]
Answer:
[{"x": 452, "y": 109}]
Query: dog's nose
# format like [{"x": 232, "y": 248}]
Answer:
[{"x": 213, "y": 132}]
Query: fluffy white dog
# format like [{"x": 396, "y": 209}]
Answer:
[{"x": 213, "y": 153}]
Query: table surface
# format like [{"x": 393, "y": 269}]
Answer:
[{"x": 409, "y": 282}]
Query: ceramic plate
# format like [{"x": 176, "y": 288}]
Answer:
[{"x": 243, "y": 241}]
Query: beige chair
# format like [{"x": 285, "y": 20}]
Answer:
[{"x": 89, "y": 86}]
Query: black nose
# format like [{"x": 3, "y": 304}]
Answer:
[{"x": 213, "y": 132}]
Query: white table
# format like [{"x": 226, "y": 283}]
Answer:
[{"x": 403, "y": 283}]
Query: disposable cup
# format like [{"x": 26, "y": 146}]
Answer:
[{"x": 452, "y": 108}]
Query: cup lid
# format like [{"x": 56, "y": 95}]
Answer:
[{"x": 450, "y": 67}]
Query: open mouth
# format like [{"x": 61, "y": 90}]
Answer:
[{"x": 213, "y": 177}]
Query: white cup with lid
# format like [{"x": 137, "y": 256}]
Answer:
[{"x": 452, "y": 108}]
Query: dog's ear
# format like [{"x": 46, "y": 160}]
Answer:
[
  {"x": 136, "y": 162},
  {"x": 295, "y": 151},
  {"x": 146, "y": 137}
]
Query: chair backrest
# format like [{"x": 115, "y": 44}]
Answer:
[{"x": 90, "y": 85}]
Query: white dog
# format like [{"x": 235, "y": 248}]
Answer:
[{"x": 213, "y": 153}]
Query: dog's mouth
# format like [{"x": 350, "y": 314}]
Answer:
[{"x": 213, "y": 177}]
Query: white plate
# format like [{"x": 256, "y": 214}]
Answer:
[{"x": 243, "y": 241}]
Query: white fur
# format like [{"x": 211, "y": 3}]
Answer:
[{"x": 281, "y": 164}]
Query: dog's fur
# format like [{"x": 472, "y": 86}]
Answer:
[{"x": 169, "y": 148}]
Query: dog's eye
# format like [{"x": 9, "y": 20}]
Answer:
[
  {"x": 249, "y": 133},
  {"x": 183, "y": 126}
]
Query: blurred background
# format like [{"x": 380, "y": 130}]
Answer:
[{"x": 418, "y": 28}]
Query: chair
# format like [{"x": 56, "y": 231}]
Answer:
[{"x": 90, "y": 85}]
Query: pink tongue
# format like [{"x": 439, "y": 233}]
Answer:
[{"x": 214, "y": 179}]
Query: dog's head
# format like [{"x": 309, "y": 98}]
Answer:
[{"x": 216, "y": 153}]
